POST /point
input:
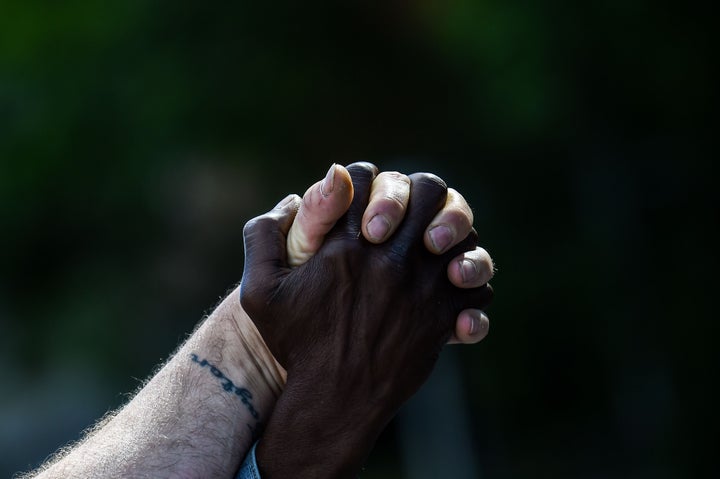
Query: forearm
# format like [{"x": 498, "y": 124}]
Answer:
[{"x": 196, "y": 417}]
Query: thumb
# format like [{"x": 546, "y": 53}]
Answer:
[
  {"x": 265, "y": 237},
  {"x": 322, "y": 205}
]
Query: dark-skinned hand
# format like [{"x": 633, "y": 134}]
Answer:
[{"x": 358, "y": 327}]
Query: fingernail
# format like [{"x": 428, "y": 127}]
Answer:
[
  {"x": 286, "y": 201},
  {"x": 468, "y": 271},
  {"x": 474, "y": 325},
  {"x": 440, "y": 237},
  {"x": 478, "y": 323},
  {"x": 328, "y": 183},
  {"x": 378, "y": 227}
]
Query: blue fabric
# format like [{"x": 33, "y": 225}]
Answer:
[{"x": 249, "y": 469}]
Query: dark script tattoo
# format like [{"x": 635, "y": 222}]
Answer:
[{"x": 244, "y": 394}]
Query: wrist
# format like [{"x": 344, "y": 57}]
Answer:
[
  {"x": 245, "y": 350},
  {"x": 318, "y": 432}
]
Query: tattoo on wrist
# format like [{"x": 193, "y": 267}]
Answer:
[{"x": 244, "y": 394}]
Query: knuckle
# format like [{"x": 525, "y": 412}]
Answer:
[
  {"x": 457, "y": 202},
  {"x": 429, "y": 180},
  {"x": 393, "y": 176},
  {"x": 457, "y": 218},
  {"x": 427, "y": 198},
  {"x": 390, "y": 193},
  {"x": 261, "y": 223},
  {"x": 251, "y": 226},
  {"x": 392, "y": 202},
  {"x": 485, "y": 262},
  {"x": 362, "y": 167}
]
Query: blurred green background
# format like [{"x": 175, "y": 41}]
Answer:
[{"x": 136, "y": 138}]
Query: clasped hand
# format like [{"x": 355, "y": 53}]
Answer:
[{"x": 362, "y": 322}]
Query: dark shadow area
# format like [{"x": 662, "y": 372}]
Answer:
[{"x": 137, "y": 139}]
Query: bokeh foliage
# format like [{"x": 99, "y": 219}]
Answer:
[{"x": 136, "y": 138}]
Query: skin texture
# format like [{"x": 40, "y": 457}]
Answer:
[
  {"x": 186, "y": 421},
  {"x": 327, "y": 200},
  {"x": 321, "y": 206},
  {"x": 201, "y": 411},
  {"x": 355, "y": 347}
]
